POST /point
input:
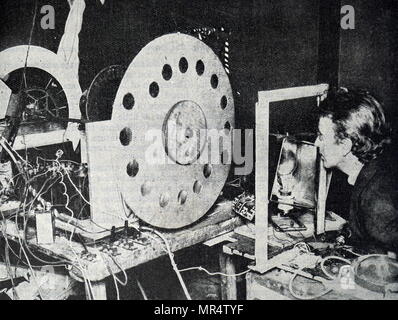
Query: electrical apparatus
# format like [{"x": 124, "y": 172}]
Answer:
[
  {"x": 295, "y": 184},
  {"x": 174, "y": 93},
  {"x": 158, "y": 157},
  {"x": 265, "y": 98}
]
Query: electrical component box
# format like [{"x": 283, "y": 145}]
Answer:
[
  {"x": 45, "y": 227},
  {"x": 244, "y": 206}
]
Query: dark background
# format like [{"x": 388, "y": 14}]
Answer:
[{"x": 273, "y": 43}]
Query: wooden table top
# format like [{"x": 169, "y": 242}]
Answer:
[{"x": 219, "y": 220}]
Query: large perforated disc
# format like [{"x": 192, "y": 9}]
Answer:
[{"x": 175, "y": 97}]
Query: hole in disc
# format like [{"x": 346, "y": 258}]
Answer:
[
  {"x": 200, "y": 67},
  {"x": 132, "y": 168},
  {"x": 128, "y": 101},
  {"x": 182, "y": 197},
  {"x": 164, "y": 199},
  {"x": 125, "y": 136},
  {"x": 167, "y": 72},
  {"x": 197, "y": 187},
  {"x": 183, "y": 65},
  {"x": 154, "y": 89},
  {"x": 214, "y": 81},
  {"x": 223, "y": 102},
  {"x": 145, "y": 188}
]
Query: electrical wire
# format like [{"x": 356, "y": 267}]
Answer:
[
  {"x": 141, "y": 289},
  {"x": 53, "y": 160},
  {"x": 303, "y": 297},
  {"x": 3, "y": 229},
  {"x": 303, "y": 247},
  {"x": 112, "y": 274},
  {"x": 8, "y": 151},
  {"x": 331, "y": 276},
  {"x": 72, "y": 183},
  {"x": 25, "y": 223},
  {"x": 116, "y": 280},
  {"x": 8, "y": 267},
  {"x": 348, "y": 249},
  {"x": 173, "y": 264},
  {"x": 81, "y": 195},
  {"x": 30, "y": 42},
  {"x": 66, "y": 194},
  {"x": 178, "y": 271},
  {"x": 18, "y": 155},
  {"x": 116, "y": 286},
  {"x": 88, "y": 285},
  {"x": 124, "y": 283},
  {"x": 31, "y": 269},
  {"x": 200, "y": 268},
  {"x": 280, "y": 239},
  {"x": 87, "y": 282},
  {"x": 25, "y": 240}
]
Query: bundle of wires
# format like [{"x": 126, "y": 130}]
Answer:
[
  {"x": 178, "y": 271},
  {"x": 304, "y": 248}
]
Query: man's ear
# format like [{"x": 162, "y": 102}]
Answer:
[{"x": 347, "y": 145}]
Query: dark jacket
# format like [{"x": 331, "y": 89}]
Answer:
[{"x": 374, "y": 205}]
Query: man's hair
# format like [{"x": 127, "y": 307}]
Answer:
[{"x": 359, "y": 117}]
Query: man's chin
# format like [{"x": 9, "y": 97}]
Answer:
[{"x": 326, "y": 164}]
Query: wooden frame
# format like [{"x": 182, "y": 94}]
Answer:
[
  {"x": 99, "y": 149},
  {"x": 262, "y": 168}
]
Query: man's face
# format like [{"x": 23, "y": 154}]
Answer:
[{"x": 332, "y": 151}]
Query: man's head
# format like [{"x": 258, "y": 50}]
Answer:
[{"x": 351, "y": 122}]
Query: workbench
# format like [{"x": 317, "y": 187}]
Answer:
[
  {"x": 100, "y": 266},
  {"x": 274, "y": 284},
  {"x": 241, "y": 243}
]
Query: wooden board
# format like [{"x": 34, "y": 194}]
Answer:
[
  {"x": 265, "y": 98},
  {"x": 218, "y": 221},
  {"x": 105, "y": 197},
  {"x": 85, "y": 228},
  {"x": 245, "y": 236}
]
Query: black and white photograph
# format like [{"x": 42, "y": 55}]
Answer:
[{"x": 218, "y": 151}]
